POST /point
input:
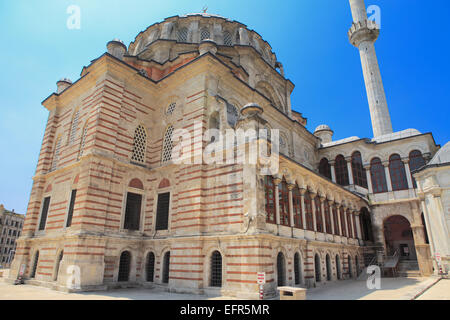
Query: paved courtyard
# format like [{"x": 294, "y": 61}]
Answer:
[{"x": 391, "y": 289}]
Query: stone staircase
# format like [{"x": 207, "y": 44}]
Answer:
[{"x": 408, "y": 268}]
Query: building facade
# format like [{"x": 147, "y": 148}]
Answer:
[
  {"x": 11, "y": 224},
  {"x": 111, "y": 207}
]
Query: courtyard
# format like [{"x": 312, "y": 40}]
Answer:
[{"x": 391, "y": 289}]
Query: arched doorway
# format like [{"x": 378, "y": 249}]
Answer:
[
  {"x": 150, "y": 267},
  {"x": 328, "y": 263},
  {"x": 297, "y": 268},
  {"x": 317, "y": 267},
  {"x": 280, "y": 269},
  {"x": 357, "y": 266},
  {"x": 338, "y": 267},
  {"x": 399, "y": 237},
  {"x": 124, "y": 267},
  {"x": 350, "y": 271}
]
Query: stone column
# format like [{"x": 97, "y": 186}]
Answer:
[
  {"x": 330, "y": 205},
  {"x": 350, "y": 171},
  {"x": 302, "y": 197},
  {"x": 388, "y": 175},
  {"x": 369, "y": 178},
  {"x": 346, "y": 222},
  {"x": 291, "y": 204},
  {"x": 333, "y": 171},
  {"x": 313, "y": 206},
  {"x": 358, "y": 225},
  {"x": 422, "y": 249},
  {"x": 277, "y": 181},
  {"x": 322, "y": 205},
  {"x": 430, "y": 236},
  {"x": 408, "y": 173},
  {"x": 338, "y": 207}
]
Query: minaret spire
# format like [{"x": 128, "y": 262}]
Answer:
[{"x": 363, "y": 35}]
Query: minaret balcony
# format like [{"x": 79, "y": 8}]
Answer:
[{"x": 360, "y": 31}]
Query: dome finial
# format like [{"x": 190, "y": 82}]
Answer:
[{"x": 205, "y": 8}]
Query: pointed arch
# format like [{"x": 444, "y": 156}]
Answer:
[{"x": 167, "y": 144}]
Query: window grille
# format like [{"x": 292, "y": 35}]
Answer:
[
  {"x": 227, "y": 40},
  {"x": 326, "y": 209},
  {"x": 124, "y": 266},
  {"x": 150, "y": 268},
  {"x": 44, "y": 213},
  {"x": 283, "y": 202},
  {"x": 71, "y": 206},
  {"x": 132, "y": 211},
  {"x": 204, "y": 34},
  {"x": 416, "y": 161},
  {"x": 319, "y": 222},
  {"x": 139, "y": 144},
  {"x": 308, "y": 212},
  {"x": 182, "y": 35},
  {"x": 162, "y": 211},
  {"x": 280, "y": 269},
  {"x": 171, "y": 108},
  {"x": 74, "y": 127},
  {"x": 167, "y": 145},
  {"x": 270, "y": 199},
  {"x": 56, "y": 154},
  {"x": 359, "y": 173},
  {"x": 216, "y": 269},
  {"x": 297, "y": 206},
  {"x": 325, "y": 168},
  {"x": 166, "y": 270},
  {"x": 83, "y": 141}
]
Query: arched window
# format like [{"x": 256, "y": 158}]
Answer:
[
  {"x": 319, "y": 222},
  {"x": 325, "y": 168},
  {"x": 83, "y": 140},
  {"x": 378, "y": 176},
  {"x": 227, "y": 39},
  {"x": 167, "y": 144},
  {"x": 308, "y": 212},
  {"x": 359, "y": 173},
  {"x": 171, "y": 108},
  {"x": 366, "y": 225},
  {"x": 317, "y": 267},
  {"x": 35, "y": 265},
  {"x": 416, "y": 161},
  {"x": 56, "y": 154},
  {"x": 58, "y": 262},
  {"x": 341, "y": 170},
  {"x": 283, "y": 201},
  {"x": 326, "y": 209},
  {"x": 216, "y": 269},
  {"x": 297, "y": 268},
  {"x": 182, "y": 34},
  {"x": 338, "y": 267},
  {"x": 139, "y": 144},
  {"x": 204, "y": 34},
  {"x": 124, "y": 267},
  {"x": 150, "y": 267},
  {"x": 280, "y": 269},
  {"x": 73, "y": 127},
  {"x": 269, "y": 187},
  {"x": 398, "y": 173},
  {"x": 297, "y": 206},
  {"x": 166, "y": 267}
]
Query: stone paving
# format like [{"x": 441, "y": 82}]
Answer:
[{"x": 391, "y": 289}]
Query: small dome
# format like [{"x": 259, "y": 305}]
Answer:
[
  {"x": 323, "y": 127},
  {"x": 65, "y": 80}
]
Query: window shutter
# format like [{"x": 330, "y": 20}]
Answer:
[{"x": 162, "y": 212}]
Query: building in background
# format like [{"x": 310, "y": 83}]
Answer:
[
  {"x": 11, "y": 224},
  {"x": 110, "y": 207}
]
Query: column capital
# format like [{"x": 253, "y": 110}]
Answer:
[
  {"x": 421, "y": 195},
  {"x": 332, "y": 162},
  {"x": 366, "y": 166},
  {"x": 385, "y": 163},
  {"x": 302, "y": 191},
  {"x": 348, "y": 158},
  {"x": 313, "y": 195},
  {"x": 290, "y": 186},
  {"x": 330, "y": 202},
  {"x": 322, "y": 198},
  {"x": 405, "y": 160},
  {"x": 276, "y": 181}
]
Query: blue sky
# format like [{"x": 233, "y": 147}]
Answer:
[{"x": 308, "y": 36}]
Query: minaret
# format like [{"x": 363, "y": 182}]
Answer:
[{"x": 363, "y": 35}]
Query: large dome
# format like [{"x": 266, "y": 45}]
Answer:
[{"x": 188, "y": 30}]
